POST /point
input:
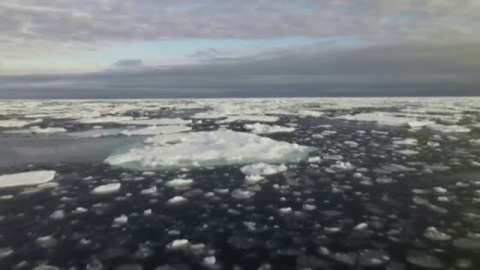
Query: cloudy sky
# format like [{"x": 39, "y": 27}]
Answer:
[{"x": 210, "y": 48}]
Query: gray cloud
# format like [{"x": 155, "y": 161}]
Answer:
[
  {"x": 96, "y": 22},
  {"x": 420, "y": 69}
]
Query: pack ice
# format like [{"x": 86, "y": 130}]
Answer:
[{"x": 209, "y": 149}]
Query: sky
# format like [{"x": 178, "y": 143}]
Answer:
[{"x": 236, "y": 48}]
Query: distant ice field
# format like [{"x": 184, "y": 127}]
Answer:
[{"x": 328, "y": 183}]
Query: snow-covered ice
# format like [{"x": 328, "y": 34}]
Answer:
[
  {"x": 209, "y": 149},
  {"x": 108, "y": 188},
  {"x": 26, "y": 178},
  {"x": 263, "y": 169},
  {"x": 258, "y": 128}
]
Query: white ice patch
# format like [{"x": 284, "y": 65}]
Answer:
[
  {"x": 105, "y": 119},
  {"x": 48, "y": 130},
  {"x": 475, "y": 142},
  {"x": 408, "y": 141},
  {"x": 384, "y": 118},
  {"x": 154, "y": 130},
  {"x": 263, "y": 169},
  {"x": 179, "y": 183},
  {"x": 253, "y": 179},
  {"x": 342, "y": 166},
  {"x": 26, "y": 178},
  {"x": 177, "y": 200},
  {"x": 96, "y": 133},
  {"x": 106, "y": 189},
  {"x": 449, "y": 128},
  {"x": 258, "y": 128},
  {"x": 16, "y": 123},
  {"x": 158, "y": 122},
  {"x": 433, "y": 234},
  {"x": 250, "y": 118},
  {"x": 209, "y": 149}
]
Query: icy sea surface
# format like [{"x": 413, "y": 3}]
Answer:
[{"x": 331, "y": 183}]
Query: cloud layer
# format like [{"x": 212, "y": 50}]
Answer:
[
  {"x": 90, "y": 23},
  {"x": 420, "y": 69}
]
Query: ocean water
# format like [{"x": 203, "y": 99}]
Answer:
[{"x": 339, "y": 183}]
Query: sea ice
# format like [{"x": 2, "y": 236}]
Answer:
[
  {"x": 242, "y": 194},
  {"x": 105, "y": 119},
  {"x": 253, "y": 179},
  {"x": 342, "y": 166},
  {"x": 249, "y": 118},
  {"x": 179, "y": 244},
  {"x": 16, "y": 123},
  {"x": 106, "y": 189},
  {"x": 177, "y": 199},
  {"x": 26, "y": 178},
  {"x": 209, "y": 149},
  {"x": 179, "y": 183},
  {"x": 263, "y": 169},
  {"x": 154, "y": 130},
  {"x": 433, "y": 234},
  {"x": 48, "y": 130},
  {"x": 158, "y": 122},
  {"x": 258, "y": 128}
]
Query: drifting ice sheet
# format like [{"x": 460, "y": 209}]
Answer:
[
  {"x": 209, "y": 149},
  {"x": 26, "y": 178}
]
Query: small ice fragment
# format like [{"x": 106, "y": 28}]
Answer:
[
  {"x": 149, "y": 190},
  {"x": 352, "y": 144},
  {"x": 179, "y": 183},
  {"x": 46, "y": 241},
  {"x": 242, "y": 194},
  {"x": 361, "y": 226},
  {"x": 58, "y": 214},
  {"x": 5, "y": 252},
  {"x": 176, "y": 200},
  {"x": 263, "y": 169},
  {"x": 424, "y": 260},
  {"x": 80, "y": 210},
  {"x": 316, "y": 159},
  {"x": 210, "y": 260},
  {"x": 408, "y": 152},
  {"x": 107, "y": 189},
  {"x": 285, "y": 210},
  {"x": 179, "y": 244},
  {"x": 342, "y": 166},
  {"x": 147, "y": 212},
  {"x": 309, "y": 207},
  {"x": 123, "y": 219},
  {"x": 254, "y": 178},
  {"x": 440, "y": 190},
  {"x": 433, "y": 234}
]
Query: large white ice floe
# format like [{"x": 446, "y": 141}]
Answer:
[
  {"x": 263, "y": 169},
  {"x": 154, "y": 130},
  {"x": 209, "y": 149},
  {"x": 26, "y": 178},
  {"x": 266, "y": 129}
]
